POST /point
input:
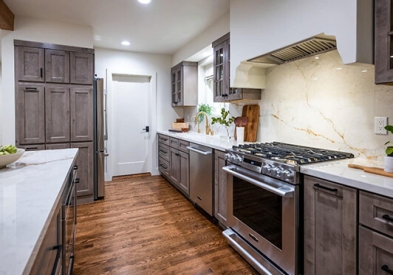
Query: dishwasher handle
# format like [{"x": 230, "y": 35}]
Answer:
[{"x": 206, "y": 153}]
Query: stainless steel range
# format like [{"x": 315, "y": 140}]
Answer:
[{"x": 264, "y": 202}]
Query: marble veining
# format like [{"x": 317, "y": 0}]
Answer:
[{"x": 29, "y": 189}]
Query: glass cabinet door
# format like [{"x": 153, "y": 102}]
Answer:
[{"x": 219, "y": 73}]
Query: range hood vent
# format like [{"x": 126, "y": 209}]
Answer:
[{"x": 306, "y": 48}]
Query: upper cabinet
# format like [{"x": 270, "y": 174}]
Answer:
[
  {"x": 383, "y": 42},
  {"x": 184, "y": 84},
  {"x": 30, "y": 64},
  {"x": 57, "y": 66},
  {"x": 82, "y": 68},
  {"x": 221, "y": 56}
]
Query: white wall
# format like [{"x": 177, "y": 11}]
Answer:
[
  {"x": 38, "y": 31},
  {"x": 215, "y": 31},
  {"x": 261, "y": 26},
  {"x": 156, "y": 66}
]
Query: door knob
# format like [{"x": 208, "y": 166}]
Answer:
[{"x": 146, "y": 129}]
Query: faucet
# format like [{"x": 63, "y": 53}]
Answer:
[{"x": 208, "y": 130}]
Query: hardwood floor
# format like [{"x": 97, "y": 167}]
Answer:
[{"x": 145, "y": 226}]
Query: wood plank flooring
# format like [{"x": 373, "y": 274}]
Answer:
[{"x": 144, "y": 226}]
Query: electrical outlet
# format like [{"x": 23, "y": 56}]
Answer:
[{"x": 379, "y": 125}]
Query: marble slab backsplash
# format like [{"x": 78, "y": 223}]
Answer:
[{"x": 324, "y": 103}]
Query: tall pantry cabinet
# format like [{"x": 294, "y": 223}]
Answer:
[{"x": 54, "y": 103}]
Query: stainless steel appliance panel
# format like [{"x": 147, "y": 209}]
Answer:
[
  {"x": 99, "y": 146},
  {"x": 100, "y": 115},
  {"x": 101, "y": 175},
  {"x": 201, "y": 176}
]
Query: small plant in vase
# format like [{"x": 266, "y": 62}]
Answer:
[
  {"x": 388, "y": 160},
  {"x": 226, "y": 120}
]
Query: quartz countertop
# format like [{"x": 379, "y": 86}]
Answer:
[
  {"x": 30, "y": 189},
  {"x": 338, "y": 171}
]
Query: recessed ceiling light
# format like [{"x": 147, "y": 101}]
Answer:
[
  {"x": 364, "y": 71},
  {"x": 144, "y": 1},
  {"x": 317, "y": 57},
  {"x": 125, "y": 43},
  {"x": 339, "y": 68}
]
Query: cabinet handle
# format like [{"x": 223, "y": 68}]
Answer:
[
  {"x": 164, "y": 139},
  {"x": 165, "y": 152},
  {"x": 75, "y": 167},
  {"x": 387, "y": 217},
  {"x": 386, "y": 269},
  {"x": 41, "y": 72},
  {"x": 177, "y": 154},
  {"x": 76, "y": 180},
  {"x": 326, "y": 188},
  {"x": 163, "y": 166},
  {"x": 31, "y": 88},
  {"x": 59, "y": 249}
]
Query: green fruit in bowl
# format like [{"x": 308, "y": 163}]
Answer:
[{"x": 7, "y": 150}]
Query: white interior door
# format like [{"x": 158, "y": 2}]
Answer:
[{"x": 130, "y": 109}]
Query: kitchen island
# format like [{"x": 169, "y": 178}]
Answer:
[{"x": 30, "y": 192}]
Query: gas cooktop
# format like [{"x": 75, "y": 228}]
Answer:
[{"x": 290, "y": 153}]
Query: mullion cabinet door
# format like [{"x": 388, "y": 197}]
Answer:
[
  {"x": 57, "y": 113},
  {"x": 57, "y": 66},
  {"x": 219, "y": 73},
  {"x": 30, "y": 113},
  {"x": 30, "y": 64}
]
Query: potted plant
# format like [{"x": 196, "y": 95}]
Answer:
[
  {"x": 225, "y": 120},
  {"x": 388, "y": 159}
]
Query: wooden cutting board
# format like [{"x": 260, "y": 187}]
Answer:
[
  {"x": 373, "y": 170},
  {"x": 251, "y": 129}
]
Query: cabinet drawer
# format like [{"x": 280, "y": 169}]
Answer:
[
  {"x": 183, "y": 145},
  {"x": 163, "y": 166},
  {"x": 163, "y": 151},
  {"x": 375, "y": 252},
  {"x": 376, "y": 212},
  {"x": 174, "y": 142},
  {"x": 163, "y": 139}
]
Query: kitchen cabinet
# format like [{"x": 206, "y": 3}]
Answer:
[
  {"x": 221, "y": 62},
  {"x": 375, "y": 234},
  {"x": 32, "y": 147},
  {"x": 221, "y": 75},
  {"x": 220, "y": 188},
  {"x": 184, "y": 84},
  {"x": 383, "y": 42},
  {"x": 81, "y": 99},
  {"x": 57, "y": 146},
  {"x": 57, "y": 113},
  {"x": 84, "y": 162},
  {"x": 57, "y": 66},
  {"x": 29, "y": 63},
  {"x": 330, "y": 227},
  {"x": 173, "y": 162},
  {"x": 30, "y": 113},
  {"x": 49, "y": 256},
  {"x": 82, "y": 68}
]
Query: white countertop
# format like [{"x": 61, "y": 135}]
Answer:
[
  {"x": 214, "y": 142},
  {"x": 29, "y": 189},
  {"x": 338, "y": 171}
]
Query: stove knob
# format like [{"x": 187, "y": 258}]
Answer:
[
  {"x": 227, "y": 156},
  {"x": 239, "y": 159},
  {"x": 288, "y": 176},
  {"x": 266, "y": 169},
  {"x": 276, "y": 172}
]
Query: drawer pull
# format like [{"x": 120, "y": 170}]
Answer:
[
  {"x": 163, "y": 166},
  {"x": 326, "y": 188},
  {"x": 164, "y": 139},
  {"x": 386, "y": 269},
  {"x": 387, "y": 217},
  {"x": 165, "y": 152},
  {"x": 177, "y": 154}
]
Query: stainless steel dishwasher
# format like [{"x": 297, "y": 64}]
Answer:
[{"x": 201, "y": 176}]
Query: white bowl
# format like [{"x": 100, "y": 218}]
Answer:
[{"x": 7, "y": 159}]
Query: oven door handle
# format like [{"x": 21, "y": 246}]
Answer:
[{"x": 283, "y": 192}]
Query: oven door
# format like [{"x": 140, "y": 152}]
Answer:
[{"x": 264, "y": 212}]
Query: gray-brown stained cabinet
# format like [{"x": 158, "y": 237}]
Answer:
[
  {"x": 184, "y": 182},
  {"x": 32, "y": 147},
  {"x": 57, "y": 146},
  {"x": 174, "y": 172},
  {"x": 82, "y": 66},
  {"x": 57, "y": 113},
  {"x": 85, "y": 168},
  {"x": 221, "y": 55},
  {"x": 184, "y": 84},
  {"x": 29, "y": 64},
  {"x": 81, "y": 106},
  {"x": 30, "y": 113},
  {"x": 57, "y": 66},
  {"x": 220, "y": 188},
  {"x": 330, "y": 228}
]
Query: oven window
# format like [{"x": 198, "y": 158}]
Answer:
[{"x": 259, "y": 209}]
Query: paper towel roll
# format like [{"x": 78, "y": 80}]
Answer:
[{"x": 240, "y": 134}]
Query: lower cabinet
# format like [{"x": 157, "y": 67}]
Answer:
[
  {"x": 174, "y": 171},
  {"x": 48, "y": 259},
  {"x": 220, "y": 188},
  {"x": 330, "y": 227},
  {"x": 84, "y": 161},
  {"x": 33, "y": 147}
]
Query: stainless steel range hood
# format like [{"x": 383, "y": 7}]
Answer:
[{"x": 309, "y": 47}]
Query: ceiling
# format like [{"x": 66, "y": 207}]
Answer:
[{"x": 161, "y": 27}]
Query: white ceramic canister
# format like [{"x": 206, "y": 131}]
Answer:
[
  {"x": 240, "y": 134},
  {"x": 388, "y": 164}
]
